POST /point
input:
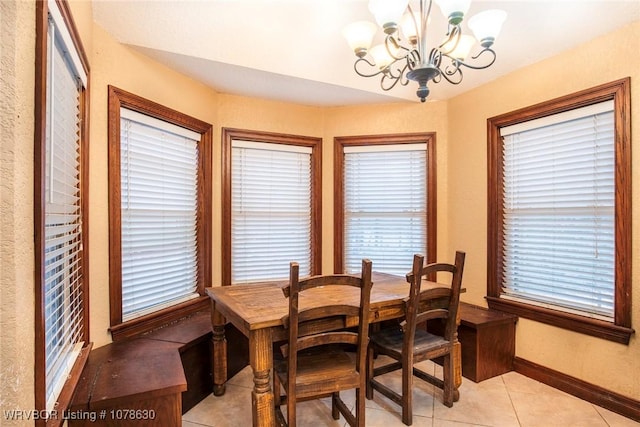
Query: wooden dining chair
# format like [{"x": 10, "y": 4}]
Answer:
[
  {"x": 409, "y": 344},
  {"x": 318, "y": 364}
]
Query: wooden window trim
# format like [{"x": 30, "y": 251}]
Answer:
[
  {"x": 40, "y": 114},
  {"x": 119, "y": 98},
  {"x": 620, "y": 330},
  {"x": 228, "y": 135},
  {"x": 338, "y": 187}
]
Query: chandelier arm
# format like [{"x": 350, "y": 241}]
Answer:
[
  {"x": 480, "y": 67},
  {"x": 393, "y": 79},
  {"x": 452, "y": 66},
  {"x": 408, "y": 65},
  {"x": 394, "y": 67},
  {"x": 386, "y": 78},
  {"x": 435, "y": 57},
  {"x": 413, "y": 59},
  {"x": 452, "y": 39},
  {"x": 415, "y": 23},
  {"x": 452, "y": 73},
  {"x": 403, "y": 74},
  {"x": 453, "y": 82},
  {"x": 390, "y": 39},
  {"x": 361, "y": 74},
  {"x": 398, "y": 76}
]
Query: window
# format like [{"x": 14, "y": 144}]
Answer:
[
  {"x": 560, "y": 204},
  {"x": 160, "y": 186},
  {"x": 61, "y": 227},
  {"x": 271, "y": 205},
  {"x": 385, "y": 201}
]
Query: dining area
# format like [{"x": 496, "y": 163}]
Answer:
[
  {"x": 314, "y": 337},
  {"x": 491, "y": 393}
]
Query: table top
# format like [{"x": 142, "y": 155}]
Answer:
[{"x": 263, "y": 305}]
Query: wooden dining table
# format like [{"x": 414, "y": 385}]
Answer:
[{"x": 257, "y": 310}]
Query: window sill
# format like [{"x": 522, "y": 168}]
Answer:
[
  {"x": 572, "y": 322},
  {"x": 66, "y": 395},
  {"x": 140, "y": 325}
]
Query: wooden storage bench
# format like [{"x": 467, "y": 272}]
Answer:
[
  {"x": 146, "y": 381},
  {"x": 488, "y": 339}
]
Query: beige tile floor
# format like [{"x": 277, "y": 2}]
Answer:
[{"x": 504, "y": 401}]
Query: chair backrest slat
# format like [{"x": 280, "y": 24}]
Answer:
[
  {"x": 327, "y": 338},
  {"x": 316, "y": 281},
  {"x": 327, "y": 311},
  {"x": 438, "y": 313}
]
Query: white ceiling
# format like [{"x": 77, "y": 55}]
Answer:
[{"x": 293, "y": 50}]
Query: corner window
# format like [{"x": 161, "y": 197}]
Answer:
[
  {"x": 561, "y": 188},
  {"x": 159, "y": 179},
  {"x": 61, "y": 226},
  {"x": 271, "y": 195},
  {"x": 385, "y": 205}
]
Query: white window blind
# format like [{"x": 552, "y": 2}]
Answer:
[
  {"x": 559, "y": 200},
  {"x": 385, "y": 199},
  {"x": 271, "y": 210},
  {"x": 63, "y": 274},
  {"x": 159, "y": 200}
]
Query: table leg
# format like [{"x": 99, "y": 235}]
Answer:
[
  {"x": 219, "y": 344},
  {"x": 457, "y": 370},
  {"x": 261, "y": 358},
  {"x": 457, "y": 363}
]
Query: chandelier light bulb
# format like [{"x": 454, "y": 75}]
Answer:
[
  {"x": 410, "y": 25},
  {"x": 388, "y": 13},
  {"x": 462, "y": 49},
  {"x": 487, "y": 25},
  {"x": 381, "y": 56},
  {"x": 454, "y": 10},
  {"x": 359, "y": 36}
]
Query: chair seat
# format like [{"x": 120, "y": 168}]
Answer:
[
  {"x": 329, "y": 370},
  {"x": 390, "y": 342}
]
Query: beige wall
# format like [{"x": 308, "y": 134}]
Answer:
[
  {"x": 115, "y": 64},
  {"x": 613, "y": 366},
  {"x": 17, "y": 76},
  {"x": 385, "y": 119},
  {"x": 259, "y": 115},
  {"x": 461, "y": 163}
]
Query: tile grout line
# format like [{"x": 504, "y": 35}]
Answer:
[
  {"x": 595, "y": 407},
  {"x": 515, "y": 411}
]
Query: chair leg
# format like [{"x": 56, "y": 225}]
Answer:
[
  {"x": 277, "y": 401},
  {"x": 447, "y": 373},
  {"x": 407, "y": 393},
  {"x": 335, "y": 412},
  {"x": 291, "y": 408},
  {"x": 277, "y": 395},
  {"x": 369, "y": 391},
  {"x": 360, "y": 407}
]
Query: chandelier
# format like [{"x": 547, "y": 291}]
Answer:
[{"x": 404, "y": 56}]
